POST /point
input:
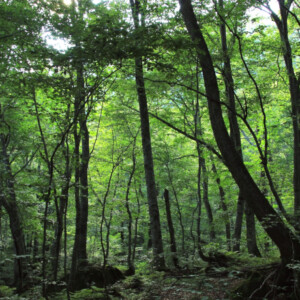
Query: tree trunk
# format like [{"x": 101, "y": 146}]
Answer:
[
  {"x": 251, "y": 232},
  {"x": 224, "y": 208},
  {"x": 9, "y": 201},
  {"x": 171, "y": 229},
  {"x": 81, "y": 178},
  {"x": 61, "y": 210},
  {"x": 156, "y": 236},
  {"x": 131, "y": 269},
  {"x": 294, "y": 87},
  {"x": 208, "y": 209},
  {"x": 178, "y": 209},
  {"x": 236, "y": 138},
  {"x": 282, "y": 236}
]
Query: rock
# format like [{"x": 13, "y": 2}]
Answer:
[{"x": 89, "y": 275}]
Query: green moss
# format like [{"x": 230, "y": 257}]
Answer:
[{"x": 6, "y": 291}]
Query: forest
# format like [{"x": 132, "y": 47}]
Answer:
[{"x": 150, "y": 149}]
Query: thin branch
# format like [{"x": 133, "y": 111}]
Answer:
[
  {"x": 27, "y": 163},
  {"x": 209, "y": 147}
]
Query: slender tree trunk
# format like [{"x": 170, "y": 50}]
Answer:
[
  {"x": 199, "y": 207},
  {"x": 197, "y": 132},
  {"x": 60, "y": 210},
  {"x": 84, "y": 195},
  {"x": 208, "y": 209},
  {"x": 156, "y": 236},
  {"x": 136, "y": 223},
  {"x": 131, "y": 269},
  {"x": 236, "y": 138},
  {"x": 178, "y": 209},
  {"x": 79, "y": 256},
  {"x": 294, "y": 87},
  {"x": 9, "y": 201},
  {"x": 55, "y": 249},
  {"x": 224, "y": 208},
  {"x": 171, "y": 229},
  {"x": 251, "y": 232},
  {"x": 73, "y": 272},
  {"x": 282, "y": 236}
]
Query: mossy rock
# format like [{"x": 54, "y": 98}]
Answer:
[{"x": 95, "y": 275}]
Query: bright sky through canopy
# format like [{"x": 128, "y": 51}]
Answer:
[
  {"x": 63, "y": 45},
  {"x": 68, "y": 2}
]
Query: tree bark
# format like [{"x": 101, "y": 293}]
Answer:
[
  {"x": 282, "y": 236},
  {"x": 173, "y": 247},
  {"x": 156, "y": 236},
  {"x": 251, "y": 232},
  {"x": 81, "y": 177},
  {"x": 294, "y": 87},
  {"x": 8, "y": 200}
]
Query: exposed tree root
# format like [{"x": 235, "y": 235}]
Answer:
[{"x": 271, "y": 282}]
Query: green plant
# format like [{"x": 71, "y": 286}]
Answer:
[{"x": 6, "y": 291}]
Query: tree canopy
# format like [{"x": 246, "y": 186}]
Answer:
[{"x": 147, "y": 135}]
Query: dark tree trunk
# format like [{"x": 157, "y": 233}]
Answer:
[
  {"x": 156, "y": 236},
  {"x": 282, "y": 236},
  {"x": 251, "y": 232},
  {"x": 9, "y": 201},
  {"x": 81, "y": 177},
  {"x": 171, "y": 228},
  {"x": 56, "y": 245},
  {"x": 84, "y": 192}
]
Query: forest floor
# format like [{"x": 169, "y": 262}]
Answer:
[
  {"x": 206, "y": 282},
  {"x": 183, "y": 284}
]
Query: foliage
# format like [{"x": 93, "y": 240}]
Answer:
[
  {"x": 6, "y": 291},
  {"x": 39, "y": 120}
]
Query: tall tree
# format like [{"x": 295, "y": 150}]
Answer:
[
  {"x": 236, "y": 138},
  {"x": 8, "y": 200},
  {"x": 294, "y": 88},
  {"x": 156, "y": 236},
  {"x": 282, "y": 236}
]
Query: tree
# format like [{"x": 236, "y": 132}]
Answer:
[
  {"x": 236, "y": 138},
  {"x": 294, "y": 88},
  {"x": 270, "y": 220},
  {"x": 147, "y": 150}
]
